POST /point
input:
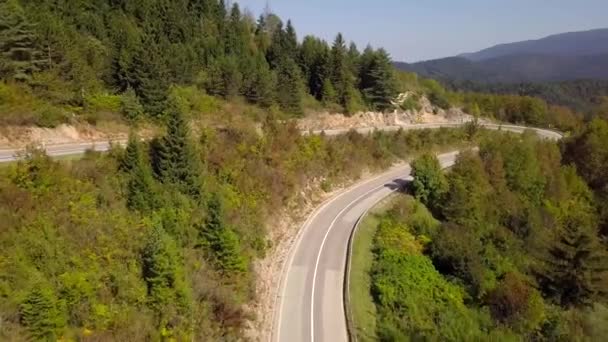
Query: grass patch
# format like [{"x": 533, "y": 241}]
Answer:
[{"x": 362, "y": 304}]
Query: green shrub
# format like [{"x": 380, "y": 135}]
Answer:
[{"x": 103, "y": 102}]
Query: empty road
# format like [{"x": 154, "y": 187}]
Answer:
[
  {"x": 310, "y": 302},
  {"x": 59, "y": 150}
]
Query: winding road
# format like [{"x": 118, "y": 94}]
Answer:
[{"x": 310, "y": 300}]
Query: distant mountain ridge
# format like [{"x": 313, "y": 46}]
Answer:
[
  {"x": 560, "y": 57},
  {"x": 583, "y": 43}
]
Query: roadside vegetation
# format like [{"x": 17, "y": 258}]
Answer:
[
  {"x": 156, "y": 241},
  {"x": 511, "y": 247}
]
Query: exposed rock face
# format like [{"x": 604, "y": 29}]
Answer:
[{"x": 428, "y": 113}]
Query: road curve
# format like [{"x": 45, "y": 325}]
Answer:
[
  {"x": 58, "y": 150},
  {"x": 310, "y": 300}
]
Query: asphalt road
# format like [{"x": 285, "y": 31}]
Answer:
[
  {"x": 58, "y": 150},
  {"x": 310, "y": 302}
]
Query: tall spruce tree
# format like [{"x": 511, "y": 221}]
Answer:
[
  {"x": 223, "y": 244},
  {"x": 576, "y": 263},
  {"x": 40, "y": 314},
  {"x": 20, "y": 54},
  {"x": 150, "y": 79},
  {"x": 380, "y": 85},
  {"x": 174, "y": 158},
  {"x": 289, "y": 87},
  {"x": 141, "y": 194},
  {"x": 161, "y": 268},
  {"x": 342, "y": 77}
]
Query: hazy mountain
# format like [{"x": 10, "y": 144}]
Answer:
[
  {"x": 583, "y": 43},
  {"x": 568, "y": 56}
]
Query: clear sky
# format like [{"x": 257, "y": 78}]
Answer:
[{"x": 413, "y": 30}]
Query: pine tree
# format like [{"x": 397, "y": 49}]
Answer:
[
  {"x": 342, "y": 78},
  {"x": 20, "y": 54},
  {"x": 222, "y": 242},
  {"x": 576, "y": 263},
  {"x": 174, "y": 157},
  {"x": 40, "y": 315},
  {"x": 131, "y": 108},
  {"x": 141, "y": 195},
  {"x": 262, "y": 88},
  {"x": 289, "y": 87},
  {"x": 290, "y": 44},
  {"x": 150, "y": 80},
  {"x": 381, "y": 87},
  {"x": 315, "y": 61},
  {"x": 328, "y": 94},
  {"x": 161, "y": 267},
  {"x": 132, "y": 153}
]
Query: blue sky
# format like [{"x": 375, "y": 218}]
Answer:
[{"x": 425, "y": 29}]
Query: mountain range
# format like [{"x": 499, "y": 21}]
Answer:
[{"x": 560, "y": 57}]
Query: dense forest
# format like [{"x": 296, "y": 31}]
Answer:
[
  {"x": 511, "y": 247},
  {"x": 582, "y": 95},
  {"x": 128, "y": 54}
]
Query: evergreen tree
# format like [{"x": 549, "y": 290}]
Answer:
[
  {"x": 20, "y": 54},
  {"x": 161, "y": 267},
  {"x": 328, "y": 94},
  {"x": 141, "y": 195},
  {"x": 262, "y": 88},
  {"x": 132, "y": 110},
  {"x": 315, "y": 61},
  {"x": 342, "y": 78},
  {"x": 130, "y": 159},
  {"x": 353, "y": 59},
  {"x": 276, "y": 51},
  {"x": 576, "y": 263},
  {"x": 40, "y": 315},
  {"x": 222, "y": 242},
  {"x": 289, "y": 87},
  {"x": 150, "y": 80},
  {"x": 291, "y": 40},
  {"x": 381, "y": 87},
  {"x": 174, "y": 157}
]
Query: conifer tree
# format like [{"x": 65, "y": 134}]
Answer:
[
  {"x": 174, "y": 157},
  {"x": 141, "y": 195},
  {"x": 130, "y": 159},
  {"x": 161, "y": 267},
  {"x": 40, "y": 314},
  {"x": 150, "y": 80},
  {"x": 262, "y": 88},
  {"x": 291, "y": 40},
  {"x": 381, "y": 87},
  {"x": 222, "y": 242},
  {"x": 328, "y": 93},
  {"x": 20, "y": 54},
  {"x": 131, "y": 107},
  {"x": 576, "y": 263},
  {"x": 289, "y": 87},
  {"x": 342, "y": 78}
]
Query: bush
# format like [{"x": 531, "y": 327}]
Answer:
[{"x": 413, "y": 299}]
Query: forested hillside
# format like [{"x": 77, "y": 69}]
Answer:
[
  {"x": 113, "y": 55},
  {"x": 584, "y": 96},
  {"x": 512, "y": 247}
]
